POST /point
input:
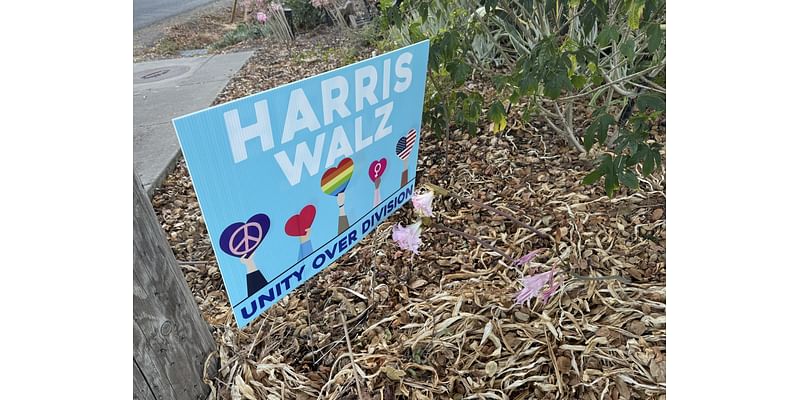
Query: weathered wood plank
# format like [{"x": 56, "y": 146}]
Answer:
[
  {"x": 141, "y": 389},
  {"x": 171, "y": 339}
]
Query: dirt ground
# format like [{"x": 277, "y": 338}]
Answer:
[
  {"x": 444, "y": 324},
  {"x": 195, "y": 30}
]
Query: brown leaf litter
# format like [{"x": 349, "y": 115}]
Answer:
[{"x": 443, "y": 324}]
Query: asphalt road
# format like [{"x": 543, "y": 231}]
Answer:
[{"x": 147, "y": 12}]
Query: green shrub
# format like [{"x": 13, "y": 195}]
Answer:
[
  {"x": 243, "y": 31},
  {"x": 304, "y": 15},
  {"x": 547, "y": 57}
]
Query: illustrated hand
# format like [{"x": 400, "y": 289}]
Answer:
[
  {"x": 340, "y": 199},
  {"x": 249, "y": 263},
  {"x": 305, "y": 237}
]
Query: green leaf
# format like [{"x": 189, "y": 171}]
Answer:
[
  {"x": 497, "y": 114},
  {"x": 649, "y": 164},
  {"x": 635, "y": 13},
  {"x": 554, "y": 83},
  {"x": 574, "y": 3},
  {"x": 414, "y": 31},
  {"x": 628, "y": 179},
  {"x": 627, "y": 49},
  {"x": 578, "y": 81},
  {"x": 528, "y": 84},
  {"x": 606, "y": 36},
  {"x": 611, "y": 183},
  {"x": 651, "y": 101},
  {"x": 589, "y": 137},
  {"x": 422, "y": 8},
  {"x": 654, "y": 37},
  {"x": 657, "y": 156},
  {"x": 459, "y": 71},
  {"x": 603, "y": 122},
  {"x": 639, "y": 155},
  {"x": 593, "y": 176},
  {"x": 472, "y": 107}
]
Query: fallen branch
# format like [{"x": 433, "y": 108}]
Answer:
[
  {"x": 474, "y": 238},
  {"x": 350, "y": 353},
  {"x": 445, "y": 192}
]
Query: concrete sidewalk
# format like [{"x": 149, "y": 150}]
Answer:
[{"x": 165, "y": 89}]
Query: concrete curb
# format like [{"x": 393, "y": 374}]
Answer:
[{"x": 165, "y": 89}]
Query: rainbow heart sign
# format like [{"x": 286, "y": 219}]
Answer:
[
  {"x": 320, "y": 157},
  {"x": 335, "y": 180}
]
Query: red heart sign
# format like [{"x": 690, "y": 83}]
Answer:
[
  {"x": 299, "y": 223},
  {"x": 377, "y": 168}
]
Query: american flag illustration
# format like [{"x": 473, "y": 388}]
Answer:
[{"x": 404, "y": 147}]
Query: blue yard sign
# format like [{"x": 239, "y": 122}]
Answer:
[{"x": 292, "y": 178}]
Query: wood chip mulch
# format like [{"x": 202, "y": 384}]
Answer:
[{"x": 444, "y": 325}]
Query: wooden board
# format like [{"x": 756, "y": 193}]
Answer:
[{"x": 171, "y": 341}]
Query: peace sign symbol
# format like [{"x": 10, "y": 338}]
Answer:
[
  {"x": 245, "y": 238},
  {"x": 240, "y": 239}
]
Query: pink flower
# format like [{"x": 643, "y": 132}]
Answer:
[
  {"x": 408, "y": 237},
  {"x": 545, "y": 295},
  {"x": 423, "y": 203},
  {"x": 533, "y": 285},
  {"x": 527, "y": 257},
  {"x": 261, "y": 17}
]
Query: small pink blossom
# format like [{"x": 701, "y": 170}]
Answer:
[
  {"x": 527, "y": 257},
  {"x": 423, "y": 203},
  {"x": 408, "y": 237},
  {"x": 261, "y": 17},
  {"x": 533, "y": 285},
  {"x": 551, "y": 289}
]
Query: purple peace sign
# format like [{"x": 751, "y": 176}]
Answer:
[{"x": 240, "y": 239}]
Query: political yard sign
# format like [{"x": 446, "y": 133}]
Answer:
[{"x": 291, "y": 178}]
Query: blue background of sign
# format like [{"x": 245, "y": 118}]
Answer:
[{"x": 231, "y": 192}]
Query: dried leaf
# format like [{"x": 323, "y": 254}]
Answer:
[
  {"x": 491, "y": 368},
  {"x": 393, "y": 374}
]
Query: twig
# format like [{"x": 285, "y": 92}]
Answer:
[
  {"x": 350, "y": 351},
  {"x": 569, "y": 133},
  {"x": 555, "y": 362},
  {"x": 601, "y": 87},
  {"x": 255, "y": 340},
  {"x": 475, "y": 238},
  {"x": 233, "y": 10},
  {"x": 600, "y": 278},
  {"x": 443, "y": 191},
  {"x": 591, "y": 278}
]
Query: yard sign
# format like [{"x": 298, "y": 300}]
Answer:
[{"x": 291, "y": 178}]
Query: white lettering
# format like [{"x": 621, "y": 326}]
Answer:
[
  {"x": 387, "y": 71},
  {"x": 403, "y": 73},
  {"x": 383, "y": 111},
  {"x": 330, "y": 103},
  {"x": 366, "y": 91},
  {"x": 302, "y": 156},
  {"x": 360, "y": 141},
  {"x": 238, "y": 135},
  {"x": 299, "y": 116},
  {"x": 340, "y": 146}
]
